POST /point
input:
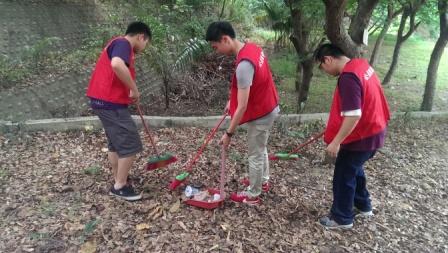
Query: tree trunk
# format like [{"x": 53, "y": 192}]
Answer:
[
  {"x": 394, "y": 62},
  {"x": 307, "y": 75},
  {"x": 409, "y": 11},
  {"x": 439, "y": 48},
  {"x": 379, "y": 43},
  {"x": 299, "y": 74},
  {"x": 349, "y": 41},
  {"x": 431, "y": 77},
  {"x": 391, "y": 15},
  {"x": 361, "y": 20}
]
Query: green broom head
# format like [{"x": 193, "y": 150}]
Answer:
[
  {"x": 286, "y": 156},
  {"x": 160, "y": 161},
  {"x": 182, "y": 176}
]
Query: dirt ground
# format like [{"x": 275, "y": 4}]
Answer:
[{"x": 54, "y": 195}]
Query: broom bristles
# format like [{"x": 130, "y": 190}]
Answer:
[
  {"x": 155, "y": 163},
  {"x": 283, "y": 156}
]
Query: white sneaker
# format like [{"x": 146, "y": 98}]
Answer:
[{"x": 361, "y": 214}]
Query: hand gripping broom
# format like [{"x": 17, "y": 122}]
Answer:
[
  {"x": 292, "y": 155},
  {"x": 160, "y": 160}
]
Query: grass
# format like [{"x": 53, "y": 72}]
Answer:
[
  {"x": 404, "y": 93},
  {"x": 92, "y": 170}
]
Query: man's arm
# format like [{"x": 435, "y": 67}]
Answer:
[
  {"x": 348, "y": 124},
  {"x": 121, "y": 70},
  {"x": 243, "y": 97}
]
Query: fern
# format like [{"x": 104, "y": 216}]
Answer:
[{"x": 194, "y": 48}]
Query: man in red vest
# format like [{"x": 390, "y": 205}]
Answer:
[
  {"x": 356, "y": 128},
  {"x": 253, "y": 100},
  {"x": 111, "y": 89}
]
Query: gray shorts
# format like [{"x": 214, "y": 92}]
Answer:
[{"x": 121, "y": 131}]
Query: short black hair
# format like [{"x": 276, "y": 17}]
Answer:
[
  {"x": 217, "y": 29},
  {"x": 138, "y": 27},
  {"x": 328, "y": 49}
]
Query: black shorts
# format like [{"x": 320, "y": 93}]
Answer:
[{"x": 121, "y": 131}]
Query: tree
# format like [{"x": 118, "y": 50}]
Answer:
[
  {"x": 431, "y": 77},
  {"x": 351, "y": 41},
  {"x": 392, "y": 13},
  {"x": 306, "y": 35},
  {"x": 410, "y": 9}
]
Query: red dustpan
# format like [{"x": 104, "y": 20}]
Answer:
[{"x": 212, "y": 203}]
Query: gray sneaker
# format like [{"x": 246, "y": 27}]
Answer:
[
  {"x": 362, "y": 214},
  {"x": 329, "y": 223}
]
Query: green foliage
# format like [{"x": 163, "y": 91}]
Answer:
[
  {"x": 11, "y": 72},
  {"x": 92, "y": 170},
  {"x": 89, "y": 228},
  {"x": 47, "y": 208},
  {"x": 194, "y": 48},
  {"x": 36, "y": 236},
  {"x": 404, "y": 93},
  {"x": 36, "y": 55}
]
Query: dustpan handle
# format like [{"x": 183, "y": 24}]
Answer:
[
  {"x": 204, "y": 144},
  {"x": 222, "y": 181}
]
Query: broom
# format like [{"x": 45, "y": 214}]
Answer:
[
  {"x": 293, "y": 154},
  {"x": 181, "y": 177},
  {"x": 160, "y": 160}
]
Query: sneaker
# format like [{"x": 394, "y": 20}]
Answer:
[
  {"x": 264, "y": 187},
  {"x": 329, "y": 223},
  {"x": 362, "y": 214},
  {"x": 242, "y": 197},
  {"x": 127, "y": 192}
]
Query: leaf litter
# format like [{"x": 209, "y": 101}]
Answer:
[{"x": 54, "y": 194}]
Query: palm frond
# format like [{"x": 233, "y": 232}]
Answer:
[{"x": 193, "y": 48}]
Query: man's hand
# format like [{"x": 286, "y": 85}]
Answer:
[
  {"x": 135, "y": 96},
  {"x": 333, "y": 149},
  {"x": 225, "y": 140},
  {"x": 226, "y": 109}
]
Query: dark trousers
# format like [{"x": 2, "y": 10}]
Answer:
[{"x": 349, "y": 185}]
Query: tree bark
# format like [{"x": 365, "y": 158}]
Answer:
[
  {"x": 431, "y": 77},
  {"x": 349, "y": 41},
  {"x": 299, "y": 73},
  {"x": 307, "y": 75},
  {"x": 391, "y": 15},
  {"x": 409, "y": 11},
  {"x": 300, "y": 38}
]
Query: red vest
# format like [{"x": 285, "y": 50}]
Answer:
[
  {"x": 104, "y": 83},
  {"x": 263, "y": 96},
  {"x": 374, "y": 107}
]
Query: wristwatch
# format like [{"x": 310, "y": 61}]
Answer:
[{"x": 229, "y": 134}]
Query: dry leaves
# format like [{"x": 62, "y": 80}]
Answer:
[{"x": 54, "y": 190}]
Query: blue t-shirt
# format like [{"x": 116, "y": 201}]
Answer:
[{"x": 118, "y": 48}]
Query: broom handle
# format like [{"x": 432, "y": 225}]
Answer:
[
  {"x": 201, "y": 149},
  {"x": 311, "y": 140},
  {"x": 146, "y": 128},
  {"x": 222, "y": 181}
]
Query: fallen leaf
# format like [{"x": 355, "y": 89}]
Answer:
[
  {"x": 88, "y": 247},
  {"x": 142, "y": 226},
  {"x": 182, "y": 225},
  {"x": 175, "y": 207}
]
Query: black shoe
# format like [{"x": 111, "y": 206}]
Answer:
[{"x": 126, "y": 192}]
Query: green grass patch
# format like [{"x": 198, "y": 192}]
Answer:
[
  {"x": 4, "y": 173},
  {"x": 404, "y": 93},
  {"x": 92, "y": 170},
  {"x": 47, "y": 208},
  {"x": 89, "y": 228}
]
